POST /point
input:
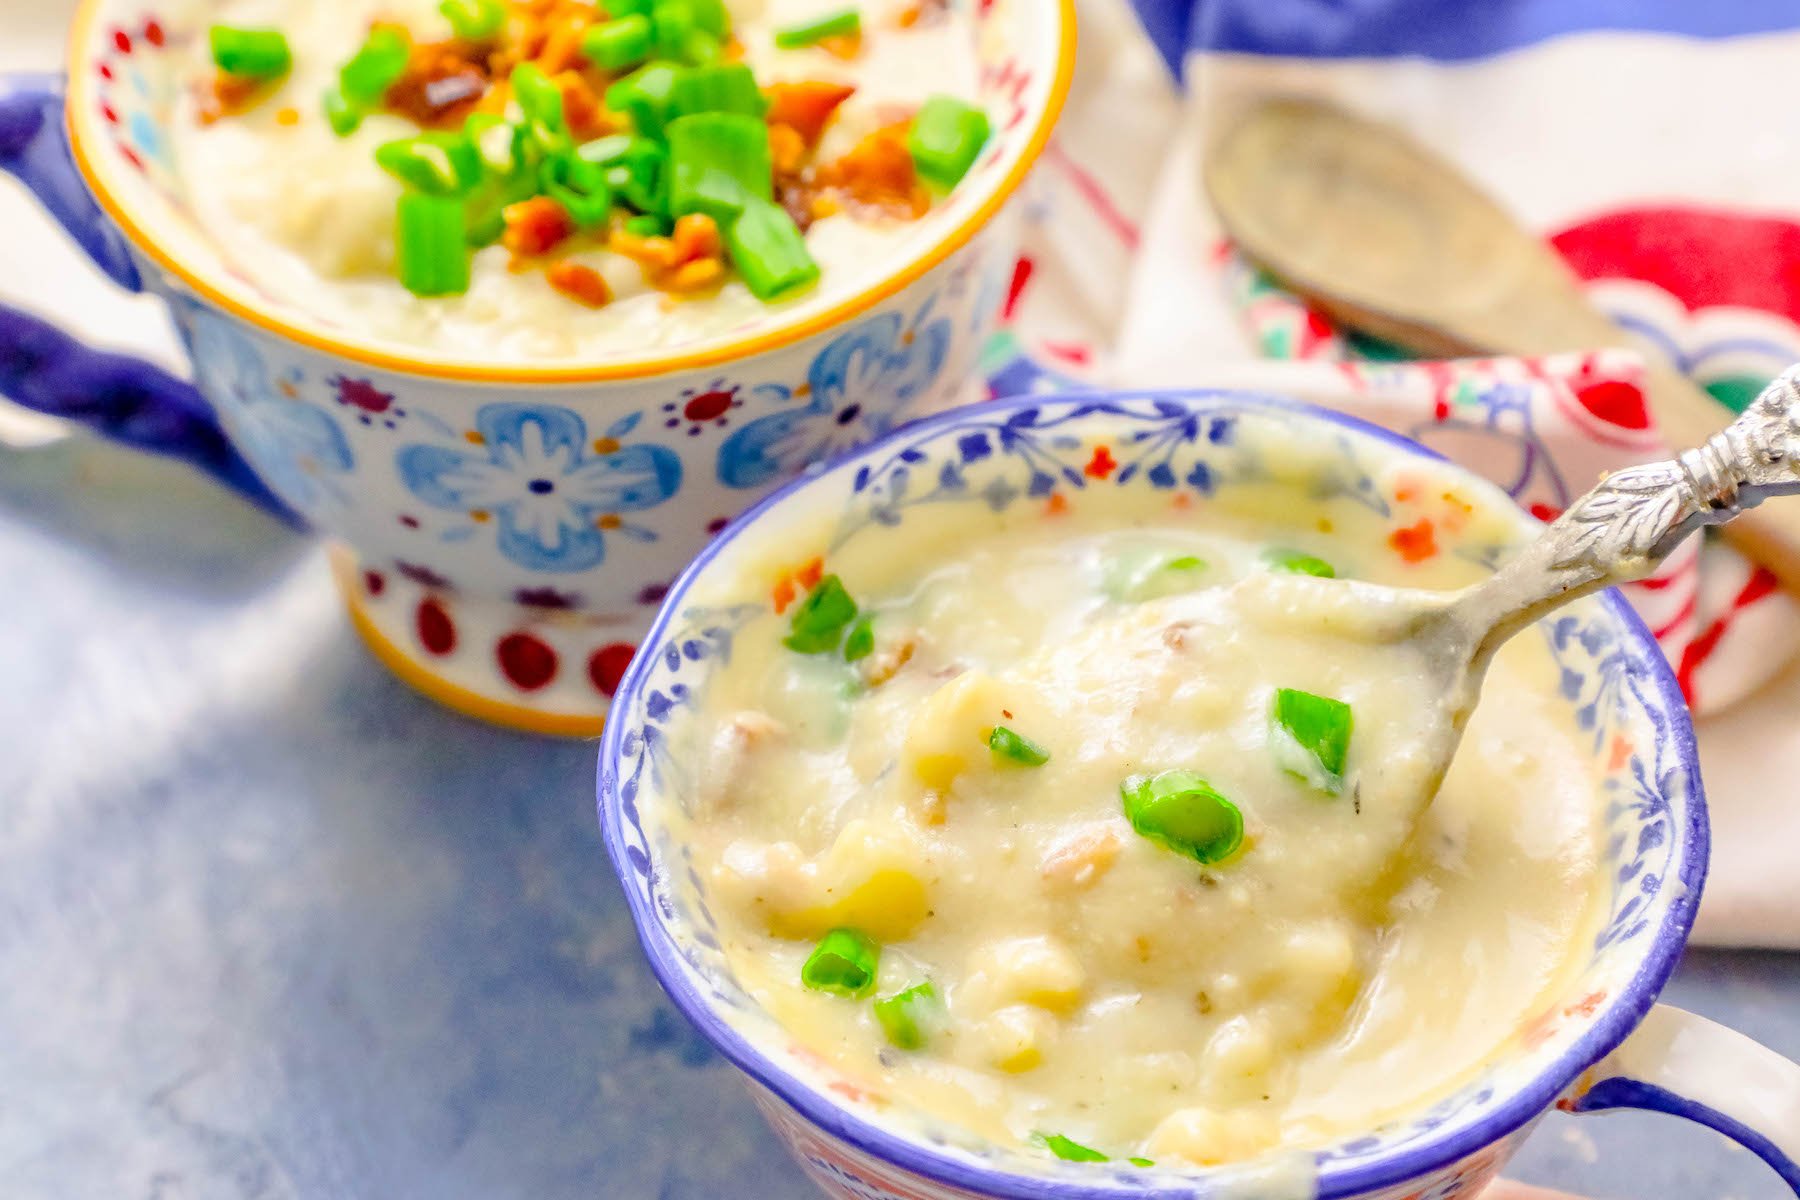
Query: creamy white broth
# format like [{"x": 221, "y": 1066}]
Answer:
[
  {"x": 309, "y": 216},
  {"x": 1344, "y": 967}
]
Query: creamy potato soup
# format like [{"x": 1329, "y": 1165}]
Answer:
[
  {"x": 541, "y": 179},
  {"x": 1058, "y": 830}
]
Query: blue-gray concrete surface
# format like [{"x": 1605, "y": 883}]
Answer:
[{"x": 272, "y": 926}]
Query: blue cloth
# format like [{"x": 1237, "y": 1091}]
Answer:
[{"x": 1445, "y": 30}]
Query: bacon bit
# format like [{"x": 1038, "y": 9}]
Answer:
[
  {"x": 877, "y": 173},
  {"x": 884, "y": 664},
  {"x": 806, "y": 106},
  {"x": 787, "y": 149},
  {"x": 582, "y": 284},
  {"x": 227, "y": 96},
  {"x": 825, "y": 206},
  {"x": 561, "y": 49},
  {"x": 1415, "y": 543},
  {"x": 846, "y": 47},
  {"x": 696, "y": 236},
  {"x": 797, "y": 200},
  {"x": 696, "y": 276},
  {"x": 535, "y": 226},
  {"x": 442, "y": 83},
  {"x": 287, "y": 116}
]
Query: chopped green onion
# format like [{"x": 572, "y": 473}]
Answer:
[
  {"x": 433, "y": 250},
  {"x": 644, "y": 97},
  {"x": 909, "y": 1018},
  {"x": 1138, "y": 578},
  {"x": 844, "y": 23},
  {"x": 1182, "y": 812},
  {"x": 373, "y": 69},
  {"x": 340, "y": 113},
  {"x": 474, "y": 20},
  {"x": 711, "y": 17},
  {"x": 538, "y": 97},
  {"x": 844, "y": 962},
  {"x": 607, "y": 150},
  {"x": 701, "y": 48},
  {"x": 718, "y": 163},
  {"x": 1311, "y": 737},
  {"x": 628, "y": 8},
  {"x": 1016, "y": 747},
  {"x": 579, "y": 186},
  {"x": 820, "y": 620},
  {"x": 484, "y": 222},
  {"x": 861, "y": 642},
  {"x": 1298, "y": 562},
  {"x": 674, "y": 23},
  {"x": 945, "y": 140},
  {"x": 499, "y": 144},
  {"x": 619, "y": 44},
  {"x": 649, "y": 225},
  {"x": 1141, "y": 1162},
  {"x": 1067, "y": 1149},
  {"x": 443, "y": 164},
  {"x": 770, "y": 252},
  {"x": 643, "y": 176},
  {"x": 729, "y": 88},
  {"x": 250, "y": 53}
]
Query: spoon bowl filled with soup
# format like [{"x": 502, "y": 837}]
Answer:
[{"x": 979, "y": 799}]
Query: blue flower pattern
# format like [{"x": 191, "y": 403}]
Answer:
[
  {"x": 856, "y": 389},
  {"x": 297, "y": 448},
  {"x": 532, "y": 470}
]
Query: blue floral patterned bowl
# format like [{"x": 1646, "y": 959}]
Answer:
[
  {"x": 1600, "y": 1044},
  {"x": 507, "y": 531}
]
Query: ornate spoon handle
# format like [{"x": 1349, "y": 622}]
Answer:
[{"x": 1623, "y": 528}]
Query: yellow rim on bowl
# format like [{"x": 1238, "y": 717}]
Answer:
[{"x": 80, "y": 101}]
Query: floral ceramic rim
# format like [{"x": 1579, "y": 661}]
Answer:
[
  {"x": 1059, "y": 16},
  {"x": 1343, "y": 1169}
]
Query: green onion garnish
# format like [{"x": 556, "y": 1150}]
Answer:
[
  {"x": 701, "y": 48},
  {"x": 1311, "y": 737},
  {"x": 844, "y": 962},
  {"x": 433, "y": 250},
  {"x": 711, "y": 17},
  {"x": 619, "y": 44},
  {"x": 1068, "y": 1149},
  {"x": 909, "y": 1018},
  {"x": 844, "y": 23},
  {"x": 1298, "y": 562},
  {"x": 718, "y": 163},
  {"x": 1016, "y": 747},
  {"x": 636, "y": 169},
  {"x": 728, "y": 88},
  {"x": 499, "y": 144},
  {"x": 674, "y": 23},
  {"x": 861, "y": 642},
  {"x": 1141, "y": 1162},
  {"x": 540, "y": 100},
  {"x": 945, "y": 140},
  {"x": 579, "y": 186},
  {"x": 770, "y": 252},
  {"x": 340, "y": 113},
  {"x": 365, "y": 79},
  {"x": 474, "y": 20},
  {"x": 628, "y": 8},
  {"x": 644, "y": 96},
  {"x": 442, "y": 164},
  {"x": 820, "y": 619},
  {"x": 1138, "y": 579},
  {"x": 1182, "y": 812},
  {"x": 250, "y": 53},
  {"x": 649, "y": 225}
]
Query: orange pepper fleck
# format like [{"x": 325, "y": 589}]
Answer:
[
  {"x": 696, "y": 276},
  {"x": 806, "y": 106},
  {"x": 1415, "y": 543},
  {"x": 536, "y": 226},
  {"x": 845, "y": 46},
  {"x": 783, "y": 595},
  {"x": 811, "y": 573},
  {"x": 582, "y": 284}
]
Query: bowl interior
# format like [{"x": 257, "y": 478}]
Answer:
[
  {"x": 127, "y": 90},
  {"x": 1617, "y": 690}
]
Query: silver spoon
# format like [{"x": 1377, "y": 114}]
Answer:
[{"x": 1615, "y": 533}]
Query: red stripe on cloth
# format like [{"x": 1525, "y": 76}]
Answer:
[
  {"x": 1681, "y": 614},
  {"x": 1761, "y": 584},
  {"x": 1091, "y": 191}
]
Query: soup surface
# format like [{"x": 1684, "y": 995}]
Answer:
[
  {"x": 305, "y": 210},
  {"x": 1114, "y": 966}
]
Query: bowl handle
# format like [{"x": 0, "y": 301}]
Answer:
[
  {"x": 1687, "y": 1066},
  {"x": 46, "y": 370}
]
